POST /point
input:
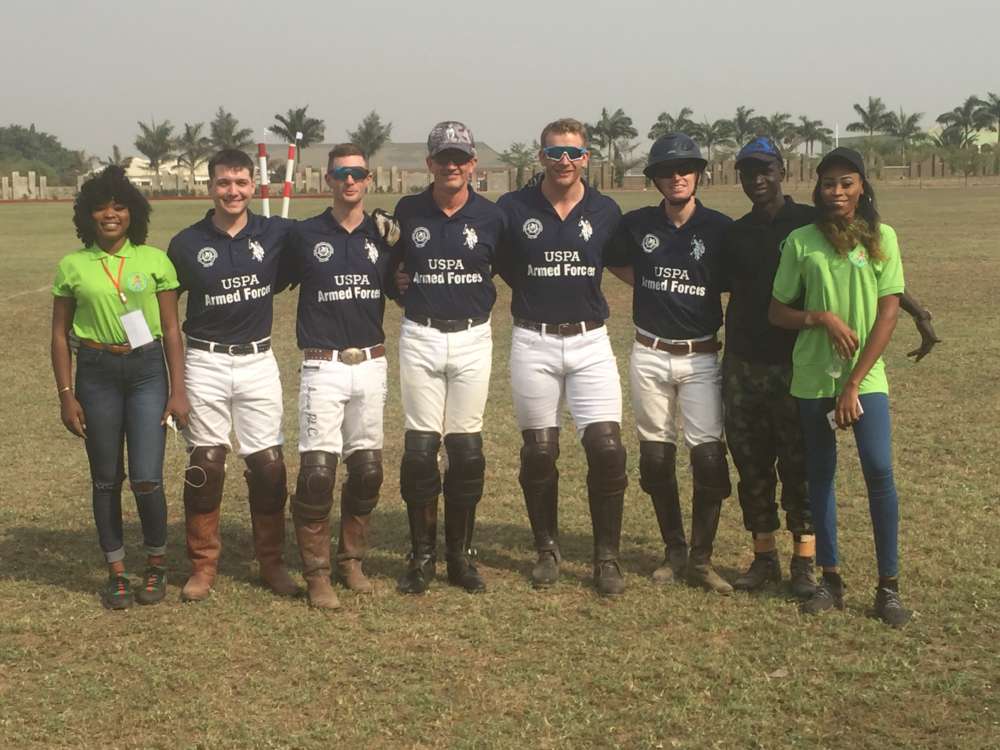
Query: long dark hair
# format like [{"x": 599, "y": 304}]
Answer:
[
  {"x": 110, "y": 185},
  {"x": 863, "y": 229}
]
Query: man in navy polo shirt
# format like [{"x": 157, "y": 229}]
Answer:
[
  {"x": 762, "y": 423},
  {"x": 448, "y": 239},
  {"x": 341, "y": 264},
  {"x": 672, "y": 255},
  {"x": 553, "y": 257},
  {"x": 228, "y": 264}
]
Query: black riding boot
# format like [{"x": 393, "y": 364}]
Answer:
[{"x": 420, "y": 568}]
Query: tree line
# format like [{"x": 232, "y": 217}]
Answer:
[{"x": 887, "y": 134}]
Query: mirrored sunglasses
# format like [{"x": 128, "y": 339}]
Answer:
[
  {"x": 555, "y": 153},
  {"x": 342, "y": 173}
]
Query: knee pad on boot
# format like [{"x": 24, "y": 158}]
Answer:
[
  {"x": 364, "y": 480},
  {"x": 267, "y": 480},
  {"x": 313, "y": 496},
  {"x": 711, "y": 470},
  {"x": 657, "y": 467},
  {"x": 463, "y": 482},
  {"x": 204, "y": 477},
  {"x": 602, "y": 442},
  {"x": 419, "y": 475},
  {"x": 538, "y": 458}
]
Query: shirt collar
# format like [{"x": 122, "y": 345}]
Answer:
[
  {"x": 469, "y": 210},
  {"x": 249, "y": 228},
  {"x": 540, "y": 201},
  {"x": 697, "y": 217},
  {"x": 125, "y": 251},
  {"x": 336, "y": 226}
]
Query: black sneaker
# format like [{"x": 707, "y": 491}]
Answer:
[
  {"x": 889, "y": 608},
  {"x": 827, "y": 596},
  {"x": 802, "y": 577},
  {"x": 154, "y": 585},
  {"x": 117, "y": 593},
  {"x": 765, "y": 569}
]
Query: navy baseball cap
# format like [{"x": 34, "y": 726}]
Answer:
[
  {"x": 450, "y": 134},
  {"x": 843, "y": 154},
  {"x": 761, "y": 149}
]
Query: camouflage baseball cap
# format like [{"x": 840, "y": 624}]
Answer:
[{"x": 450, "y": 134}]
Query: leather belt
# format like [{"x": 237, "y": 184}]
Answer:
[
  {"x": 448, "y": 326},
  {"x": 116, "y": 348},
  {"x": 351, "y": 356},
  {"x": 233, "y": 350},
  {"x": 708, "y": 346},
  {"x": 560, "y": 329}
]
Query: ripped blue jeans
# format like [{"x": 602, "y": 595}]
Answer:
[{"x": 123, "y": 397}]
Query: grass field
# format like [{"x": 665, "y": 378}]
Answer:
[{"x": 658, "y": 668}]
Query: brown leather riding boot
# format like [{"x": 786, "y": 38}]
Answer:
[
  {"x": 314, "y": 547},
  {"x": 203, "y": 548},
  {"x": 351, "y": 548},
  {"x": 268, "y": 545}
]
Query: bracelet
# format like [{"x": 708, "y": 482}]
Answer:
[{"x": 62, "y": 390}]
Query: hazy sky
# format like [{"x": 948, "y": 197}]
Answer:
[{"x": 87, "y": 71}]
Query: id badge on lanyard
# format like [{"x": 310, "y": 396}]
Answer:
[{"x": 133, "y": 321}]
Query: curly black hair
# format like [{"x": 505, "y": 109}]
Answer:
[{"x": 110, "y": 185}]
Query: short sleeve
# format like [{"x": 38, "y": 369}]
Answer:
[
  {"x": 889, "y": 271},
  {"x": 788, "y": 279},
  {"x": 165, "y": 274},
  {"x": 64, "y": 283},
  {"x": 618, "y": 250}
]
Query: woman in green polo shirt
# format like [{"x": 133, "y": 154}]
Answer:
[
  {"x": 846, "y": 267},
  {"x": 118, "y": 296}
]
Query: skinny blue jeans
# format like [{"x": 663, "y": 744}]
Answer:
[
  {"x": 874, "y": 439},
  {"x": 123, "y": 397}
]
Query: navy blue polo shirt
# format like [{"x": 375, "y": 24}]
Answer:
[
  {"x": 449, "y": 258},
  {"x": 751, "y": 249},
  {"x": 678, "y": 270},
  {"x": 230, "y": 281},
  {"x": 554, "y": 265},
  {"x": 342, "y": 278}
]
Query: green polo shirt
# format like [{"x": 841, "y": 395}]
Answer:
[
  {"x": 850, "y": 287},
  {"x": 81, "y": 275}
]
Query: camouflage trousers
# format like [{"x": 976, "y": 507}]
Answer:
[{"x": 763, "y": 433}]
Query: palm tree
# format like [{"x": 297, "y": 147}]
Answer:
[
  {"x": 297, "y": 121},
  {"x": 712, "y": 134},
  {"x": 520, "y": 156},
  {"x": 874, "y": 118},
  {"x": 666, "y": 123},
  {"x": 611, "y": 129},
  {"x": 192, "y": 147},
  {"x": 744, "y": 125},
  {"x": 964, "y": 119},
  {"x": 779, "y": 128},
  {"x": 988, "y": 113},
  {"x": 225, "y": 132},
  {"x": 116, "y": 159},
  {"x": 156, "y": 143},
  {"x": 371, "y": 134},
  {"x": 810, "y": 131},
  {"x": 906, "y": 128}
]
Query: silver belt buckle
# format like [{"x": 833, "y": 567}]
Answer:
[{"x": 353, "y": 356}]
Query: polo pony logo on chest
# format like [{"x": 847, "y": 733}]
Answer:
[
  {"x": 586, "y": 231},
  {"x": 697, "y": 248},
  {"x": 207, "y": 256},
  {"x": 371, "y": 250},
  {"x": 257, "y": 251},
  {"x": 471, "y": 238}
]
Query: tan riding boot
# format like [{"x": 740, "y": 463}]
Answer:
[
  {"x": 203, "y": 548},
  {"x": 268, "y": 544},
  {"x": 351, "y": 548},
  {"x": 314, "y": 547}
]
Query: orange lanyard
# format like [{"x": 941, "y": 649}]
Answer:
[{"x": 117, "y": 282}]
